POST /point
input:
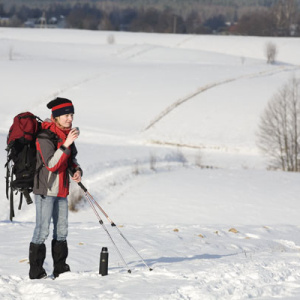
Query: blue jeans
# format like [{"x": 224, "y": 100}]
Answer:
[{"x": 48, "y": 207}]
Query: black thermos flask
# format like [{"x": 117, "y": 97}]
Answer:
[{"x": 103, "y": 262}]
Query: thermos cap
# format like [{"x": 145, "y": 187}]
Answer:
[{"x": 104, "y": 249}]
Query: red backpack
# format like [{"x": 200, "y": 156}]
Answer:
[{"x": 21, "y": 157}]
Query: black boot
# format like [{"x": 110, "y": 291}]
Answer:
[
  {"x": 37, "y": 254},
  {"x": 59, "y": 255}
]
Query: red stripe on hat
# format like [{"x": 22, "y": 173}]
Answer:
[{"x": 61, "y": 106}]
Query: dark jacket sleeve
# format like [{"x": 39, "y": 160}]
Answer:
[{"x": 74, "y": 163}]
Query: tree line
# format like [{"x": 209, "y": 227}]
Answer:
[{"x": 266, "y": 18}]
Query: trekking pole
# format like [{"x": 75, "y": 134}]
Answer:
[
  {"x": 119, "y": 231},
  {"x": 92, "y": 200},
  {"x": 101, "y": 221}
]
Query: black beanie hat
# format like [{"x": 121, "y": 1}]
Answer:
[{"x": 61, "y": 106}]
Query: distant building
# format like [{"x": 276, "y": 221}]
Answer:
[
  {"x": 30, "y": 23},
  {"x": 42, "y": 22},
  {"x": 55, "y": 22},
  {"x": 293, "y": 29}
]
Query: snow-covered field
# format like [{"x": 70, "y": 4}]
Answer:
[{"x": 167, "y": 146}]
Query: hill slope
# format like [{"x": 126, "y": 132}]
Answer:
[{"x": 226, "y": 230}]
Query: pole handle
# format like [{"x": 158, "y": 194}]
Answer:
[
  {"x": 79, "y": 183},
  {"x": 82, "y": 186}
]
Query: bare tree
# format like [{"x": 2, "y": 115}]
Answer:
[
  {"x": 256, "y": 23},
  {"x": 10, "y": 52},
  {"x": 285, "y": 15},
  {"x": 279, "y": 134},
  {"x": 271, "y": 52},
  {"x": 110, "y": 39},
  {"x": 75, "y": 198}
]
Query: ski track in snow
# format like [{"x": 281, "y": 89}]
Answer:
[
  {"x": 202, "y": 89},
  {"x": 123, "y": 53},
  {"x": 96, "y": 76}
]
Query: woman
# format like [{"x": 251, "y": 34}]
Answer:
[{"x": 56, "y": 155}]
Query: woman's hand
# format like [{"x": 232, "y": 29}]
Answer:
[
  {"x": 72, "y": 136},
  {"x": 77, "y": 176}
]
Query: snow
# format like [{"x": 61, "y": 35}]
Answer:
[{"x": 168, "y": 147}]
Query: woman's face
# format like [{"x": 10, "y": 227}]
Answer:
[{"x": 65, "y": 120}]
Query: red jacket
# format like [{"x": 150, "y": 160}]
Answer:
[{"x": 51, "y": 178}]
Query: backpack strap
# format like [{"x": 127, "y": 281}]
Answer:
[
  {"x": 10, "y": 197},
  {"x": 7, "y": 178},
  {"x": 24, "y": 193},
  {"x": 50, "y": 135},
  {"x": 27, "y": 196},
  {"x": 38, "y": 175},
  {"x": 11, "y": 209},
  {"x": 21, "y": 200},
  {"x": 8, "y": 171}
]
